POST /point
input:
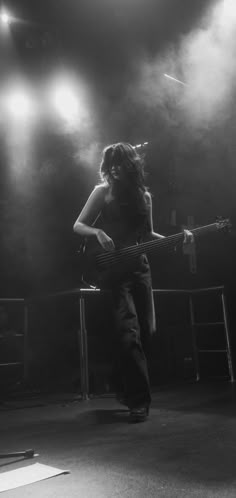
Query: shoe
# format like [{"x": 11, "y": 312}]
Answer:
[{"x": 138, "y": 414}]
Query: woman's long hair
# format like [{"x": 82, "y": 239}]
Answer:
[
  {"x": 132, "y": 187},
  {"x": 124, "y": 155}
]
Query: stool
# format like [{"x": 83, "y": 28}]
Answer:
[{"x": 195, "y": 326}]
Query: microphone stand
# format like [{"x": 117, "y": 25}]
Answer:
[{"x": 26, "y": 454}]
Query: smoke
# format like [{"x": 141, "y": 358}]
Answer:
[
  {"x": 88, "y": 154},
  {"x": 208, "y": 59},
  {"x": 205, "y": 61}
]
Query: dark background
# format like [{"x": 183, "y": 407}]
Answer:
[{"x": 119, "y": 52}]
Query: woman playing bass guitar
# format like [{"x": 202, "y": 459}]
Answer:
[{"x": 118, "y": 213}]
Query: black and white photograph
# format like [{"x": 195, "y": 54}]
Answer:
[{"x": 118, "y": 248}]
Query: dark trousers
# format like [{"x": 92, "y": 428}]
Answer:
[{"x": 135, "y": 324}]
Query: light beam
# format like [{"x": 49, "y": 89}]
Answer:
[{"x": 175, "y": 79}]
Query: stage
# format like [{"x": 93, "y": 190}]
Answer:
[{"x": 185, "y": 449}]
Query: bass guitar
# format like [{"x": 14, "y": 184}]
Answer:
[{"x": 101, "y": 268}]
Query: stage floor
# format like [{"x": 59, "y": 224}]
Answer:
[{"x": 187, "y": 448}]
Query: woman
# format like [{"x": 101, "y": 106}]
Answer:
[{"x": 121, "y": 206}]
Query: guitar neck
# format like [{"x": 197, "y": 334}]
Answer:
[
  {"x": 171, "y": 240},
  {"x": 127, "y": 253}
]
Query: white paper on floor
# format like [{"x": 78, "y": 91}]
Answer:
[{"x": 27, "y": 475}]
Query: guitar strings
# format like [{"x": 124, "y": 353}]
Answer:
[
  {"x": 150, "y": 245},
  {"x": 122, "y": 258},
  {"x": 145, "y": 245},
  {"x": 128, "y": 252},
  {"x": 122, "y": 254}
]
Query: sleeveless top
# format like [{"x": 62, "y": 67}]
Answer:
[{"x": 121, "y": 221}]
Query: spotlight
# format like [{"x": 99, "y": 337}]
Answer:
[
  {"x": 66, "y": 102},
  {"x": 19, "y": 105},
  {"x": 5, "y": 18}
]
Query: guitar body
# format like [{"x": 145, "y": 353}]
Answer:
[
  {"x": 103, "y": 268},
  {"x": 90, "y": 270}
]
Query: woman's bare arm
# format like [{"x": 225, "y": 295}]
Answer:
[
  {"x": 84, "y": 224},
  {"x": 87, "y": 217},
  {"x": 151, "y": 234},
  {"x": 188, "y": 236}
]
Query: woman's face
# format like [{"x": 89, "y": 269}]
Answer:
[{"x": 117, "y": 172}]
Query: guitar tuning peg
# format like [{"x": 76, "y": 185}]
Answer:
[{"x": 223, "y": 223}]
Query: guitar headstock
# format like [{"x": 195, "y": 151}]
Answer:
[{"x": 223, "y": 223}]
